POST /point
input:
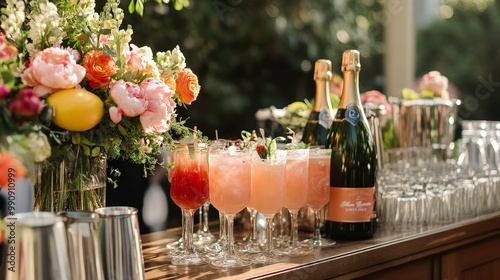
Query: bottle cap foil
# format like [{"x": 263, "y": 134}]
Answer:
[
  {"x": 323, "y": 69},
  {"x": 351, "y": 60}
]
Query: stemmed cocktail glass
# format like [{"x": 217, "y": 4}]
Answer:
[
  {"x": 268, "y": 196},
  {"x": 297, "y": 169},
  {"x": 230, "y": 183},
  {"x": 189, "y": 190},
  {"x": 318, "y": 191},
  {"x": 203, "y": 235},
  {"x": 216, "y": 247}
]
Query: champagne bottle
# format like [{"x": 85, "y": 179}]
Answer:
[
  {"x": 321, "y": 115},
  {"x": 351, "y": 210}
]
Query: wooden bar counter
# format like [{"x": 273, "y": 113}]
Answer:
[{"x": 468, "y": 249}]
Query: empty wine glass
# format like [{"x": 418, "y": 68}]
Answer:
[
  {"x": 214, "y": 250},
  {"x": 251, "y": 243},
  {"x": 189, "y": 190},
  {"x": 203, "y": 235}
]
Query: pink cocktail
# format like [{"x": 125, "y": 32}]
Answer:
[
  {"x": 297, "y": 169},
  {"x": 230, "y": 183},
  {"x": 318, "y": 191},
  {"x": 268, "y": 195},
  {"x": 297, "y": 165},
  {"x": 268, "y": 187}
]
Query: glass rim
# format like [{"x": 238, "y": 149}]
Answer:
[{"x": 116, "y": 211}]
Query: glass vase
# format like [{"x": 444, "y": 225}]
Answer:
[{"x": 76, "y": 182}]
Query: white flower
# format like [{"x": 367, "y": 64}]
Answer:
[
  {"x": 85, "y": 8},
  {"x": 120, "y": 41},
  {"x": 171, "y": 61},
  {"x": 39, "y": 146},
  {"x": 112, "y": 16},
  {"x": 45, "y": 27},
  {"x": 12, "y": 19}
]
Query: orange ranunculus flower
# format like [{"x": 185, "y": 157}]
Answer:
[
  {"x": 187, "y": 86},
  {"x": 100, "y": 68},
  {"x": 169, "y": 80},
  {"x": 11, "y": 168}
]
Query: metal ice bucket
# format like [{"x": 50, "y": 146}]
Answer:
[{"x": 425, "y": 123}]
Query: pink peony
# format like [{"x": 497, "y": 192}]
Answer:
[
  {"x": 376, "y": 98},
  {"x": 4, "y": 90},
  {"x": 140, "y": 60},
  {"x": 436, "y": 83},
  {"x": 135, "y": 59},
  {"x": 160, "y": 107},
  {"x": 129, "y": 98},
  {"x": 26, "y": 103},
  {"x": 53, "y": 69}
]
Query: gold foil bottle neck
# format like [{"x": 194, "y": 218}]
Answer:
[
  {"x": 323, "y": 70},
  {"x": 351, "y": 60}
]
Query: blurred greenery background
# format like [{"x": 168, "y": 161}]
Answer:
[
  {"x": 253, "y": 54},
  {"x": 250, "y": 55}
]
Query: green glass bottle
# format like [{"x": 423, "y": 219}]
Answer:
[
  {"x": 321, "y": 115},
  {"x": 351, "y": 212}
]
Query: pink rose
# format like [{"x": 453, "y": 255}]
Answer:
[
  {"x": 376, "y": 98},
  {"x": 53, "y": 69},
  {"x": 160, "y": 108},
  {"x": 129, "y": 98},
  {"x": 4, "y": 90},
  {"x": 436, "y": 83},
  {"x": 26, "y": 103}
]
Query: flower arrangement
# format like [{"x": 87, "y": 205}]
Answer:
[
  {"x": 73, "y": 85},
  {"x": 432, "y": 85}
]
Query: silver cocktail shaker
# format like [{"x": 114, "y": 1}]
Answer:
[
  {"x": 120, "y": 243},
  {"x": 35, "y": 248},
  {"x": 83, "y": 244}
]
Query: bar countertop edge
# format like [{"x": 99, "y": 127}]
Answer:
[{"x": 345, "y": 260}]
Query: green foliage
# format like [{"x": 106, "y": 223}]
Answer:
[
  {"x": 138, "y": 5},
  {"x": 253, "y": 54},
  {"x": 465, "y": 48}
]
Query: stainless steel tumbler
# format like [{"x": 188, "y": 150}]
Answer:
[
  {"x": 35, "y": 248},
  {"x": 83, "y": 244},
  {"x": 120, "y": 241}
]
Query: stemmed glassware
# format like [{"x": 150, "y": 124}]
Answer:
[
  {"x": 230, "y": 182},
  {"x": 297, "y": 165},
  {"x": 268, "y": 196},
  {"x": 318, "y": 191},
  {"x": 189, "y": 190},
  {"x": 252, "y": 244},
  {"x": 203, "y": 235},
  {"x": 216, "y": 247}
]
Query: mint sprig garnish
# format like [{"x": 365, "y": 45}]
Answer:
[
  {"x": 293, "y": 141},
  {"x": 248, "y": 139},
  {"x": 267, "y": 147}
]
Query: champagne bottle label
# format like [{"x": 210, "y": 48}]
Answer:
[
  {"x": 351, "y": 205},
  {"x": 352, "y": 114},
  {"x": 325, "y": 119}
]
